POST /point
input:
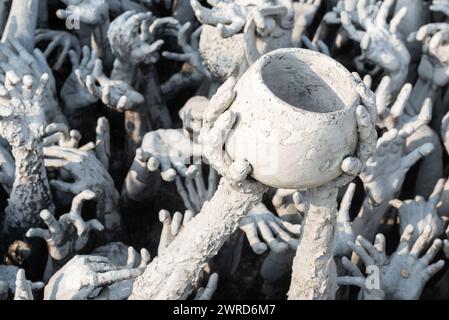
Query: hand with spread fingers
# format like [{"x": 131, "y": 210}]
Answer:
[
  {"x": 171, "y": 226},
  {"x": 230, "y": 17},
  {"x": 70, "y": 233},
  {"x": 84, "y": 276},
  {"x": 398, "y": 114},
  {"x": 350, "y": 7},
  {"x": 402, "y": 275},
  {"x": 217, "y": 122},
  {"x": 134, "y": 37},
  {"x": 385, "y": 171},
  {"x": 193, "y": 190},
  {"x": 116, "y": 94},
  {"x": 367, "y": 136},
  {"x": 21, "y": 112},
  {"x": 434, "y": 64},
  {"x": 379, "y": 40},
  {"x": 125, "y": 257},
  {"x": 421, "y": 213},
  {"x": 263, "y": 228},
  {"x": 170, "y": 150},
  {"x": 58, "y": 39},
  {"x": 305, "y": 12},
  {"x": 193, "y": 70},
  {"x": 87, "y": 173},
  {"x": 318, "y": 45},
  {"x": 368, "y": 290}
]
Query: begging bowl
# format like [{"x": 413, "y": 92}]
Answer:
[{"x": 295, "y": 118}]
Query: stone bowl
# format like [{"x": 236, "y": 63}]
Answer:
[{"x": 295, "y": 121}]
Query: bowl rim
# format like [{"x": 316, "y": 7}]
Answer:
[{"x": 266, "y": 58}]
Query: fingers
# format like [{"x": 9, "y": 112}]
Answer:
[
  {"x": 353, "y": 33},
  {"x": 41, "y": 88},
  {"x": 436, "y": 194},
  {"x": 367, "y": 80},
  {"x": 183, "y": 193},
  {"x": 153, "y": 164},
  {"x": 399, "y": 105},
  {"x": 51, "y": 222},
  {"x": 405, "y": 240},
  {"x": 239, "y": 170},
  {"x": 445, "y": 127},
  {"x": 74, "y": 59},
  {"x": 431, "y": 270},
  {"x": 382, "y": 93},
  {"x": 360, "y": 251},
  {"x": 103, "y": 141},
  {"x": 79, "y": 199},
  {"x": 290, "y": 227},
  {"x": 248, "y": 226},
  {"x": 132, "y": 258},
  {"x": 368, "y": 99},
  {"x": 27, "y": 87},
  {"x": 309, "y": 44},
  {"x": 284, "y": 236},
  {"x": 351, "y": 281},
  {"x": 397, "y": 19},
  {"x": 367, "y": 135},
  {"x": 210, "y": 289},
  {"x": 422, "y": 241},
  {"x": 102, "y": 266},
  {"x": 410, "y": 159},
  {"x": 176, "y": 223},
  {"x": 432, "y": 252},
  {"x": 145, "y": 258},
  {"x": 379, "y": 243},
  {"x": 193, "y": 195},
  {"x": 343, "y": 213},
  {"x": 396, "y": 203},
  {"x": 165, "y": 218},
  {"x": 110, "y": 277},
  {"x": 352, "y": 166},
  {"x": 430, "y": 29},
  {"x": 23, "y": 287},
  {"x": 181, "y": 57},
  {"x": 56, "y": 132},
  {"x": 208, "y": 16},
  {"x": 300, "y": 201},
  {"x": 188, "y": 216},
  {"x": 38, "y": 233},
  {"x": 65, "y": 186},
  {"x": 167, "y": 172},
  {"x": 382, "y": 15},
  {"x": 370, "y": 249},
  {"x": 351, "y": 267},
  {"x": 213, "y": 139},
  {"x": 94, "y": 224},
  {"x": 425, "y": 115},
  {"x": 267, "y": 235}
]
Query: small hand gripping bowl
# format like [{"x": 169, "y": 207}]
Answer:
[{"x": 296, "y": 120}]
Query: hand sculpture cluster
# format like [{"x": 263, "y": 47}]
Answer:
[{"x": 115, "y": 131}]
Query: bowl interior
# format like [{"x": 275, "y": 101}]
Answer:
[{"x": 309, "y": 81}]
